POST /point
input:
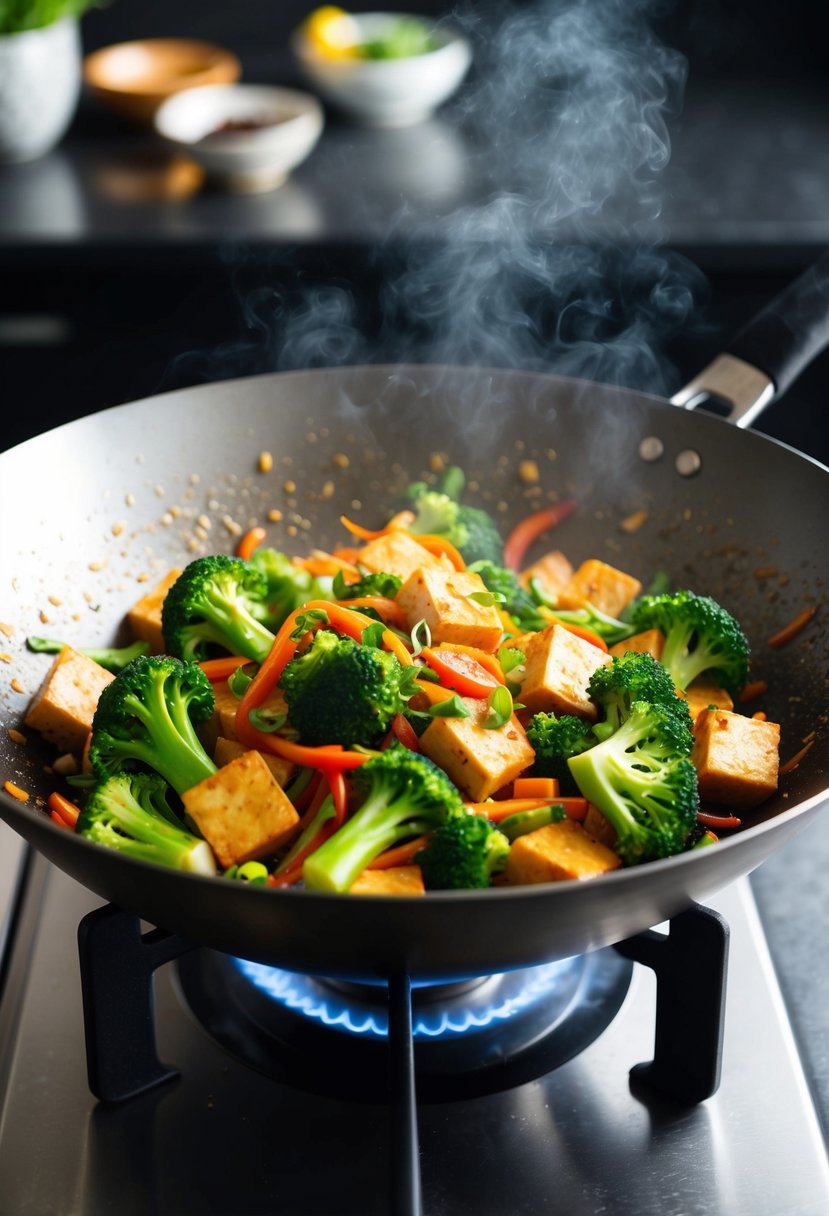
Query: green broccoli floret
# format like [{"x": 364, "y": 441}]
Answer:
[
  {"x": 217, "y": 602},
  {"x": 464, "y": 852},
  {"x": 555, "y": 740},
  {"x": 147, "y": 718},
  {"x": 130, "y": 812},
  {"x": 113, "y": 658},
  {"x": 642, "y": 780},
  {"x": 380, "y": 583},
  {"x": 403, "y": 794},
  {"x": 339, "y": 691},
  {"x": 287, "y": 588},
  {"x": 439, "y": 512},
  {"x": 634, "y": 676},
  {"x": 517, "y": 600},
  {"x": 701, "y": 638}
]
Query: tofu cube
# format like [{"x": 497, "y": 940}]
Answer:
[
  {"x": 144, "y": 618},
  {"x": 63, "y": 707},
  {"x": 556, "y": 853},
  {"x": 737, "y": 758},
  {"x": 396, "y": 880},
  {"x": 241, "y": 810},
  {"x": 400, "y": 554},
  {"x": 441, "y": 598},
  {"x": 552, "y": 572},
  {"x": 595, "y": 824},
  {"x": 479, "y": 761},
  {"x": 603, "y": 586},
  {"x": 649, "y": 641},
  {"x": 703, "y": 693},
  {"x": 226, "y": 750},
  {"x": 557, "y": 670}
]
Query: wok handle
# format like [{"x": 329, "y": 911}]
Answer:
[{"x": 769, "y": 353}]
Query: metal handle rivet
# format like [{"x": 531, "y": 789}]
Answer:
[
  {"x": 688, "y": 463},
  {"x": 651, "y": 448}
]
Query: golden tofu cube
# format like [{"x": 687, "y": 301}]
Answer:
[
  {"x": 226, "y": 750},
  {"x": 479, "y": 761},
  {"x": 400, "y": 554},
  {"x": 703, "y": 693},
  {"x": 557, "y": 670},
  {"x": 396, "y": 880},
  {"x": 440, "y": 597},
  {"x": 736, "y": 758},
  {"x": 552, "y": 572},
  {"x": 63, "y": 707},
  {"x": 241, "y": 810},
  {"x": 606, "y": 588},
  {"x": 144, "y": 618},
  {"x": 556, "y": 853},
  {"x": 649, "y": 641}
]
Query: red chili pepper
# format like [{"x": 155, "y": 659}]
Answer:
[{"x": 529, "y": 530}]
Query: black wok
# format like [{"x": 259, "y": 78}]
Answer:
[{"x": 89, "y": 507}]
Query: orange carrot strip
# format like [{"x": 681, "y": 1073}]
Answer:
[
  {"x": 400, "y": 855},
  {"x": 249, "y": 542},
  {"x": 528, "y": 530},
  {"x": 217, "y": 670},
  {"x": 389, "y": 610},
  {"x": 579, "y": 630},
  {"x": 792, "y": 629},
  {"x": 60, "y": 821},
  {"x": 794, "y": 760},
  {"x": 535, "y": 787},
  {"x": 322, "y": 564},
  {"x": 68, "y": 811},
  {"x": 575, "y": 808},
  {"x": 460, "y": 672},
  {"x": 401, "y": 520},
  {"x": 293, "y": 872},
  {"x": 752, "y": 690}
]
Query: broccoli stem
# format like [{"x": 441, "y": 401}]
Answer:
[{"x": 378, "y": 824}]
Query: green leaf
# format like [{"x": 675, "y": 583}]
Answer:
[
  {"x": 500, "y": 708},
  {"x": 487, "y": 598},
  {"x": 238, "y": 682},
  {"x": 307, "y": 621},
  {"x": 421, "y": 636},
  {"x": 372, "y": 635}
]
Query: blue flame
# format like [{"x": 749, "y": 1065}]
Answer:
[{"x": 496, "y": 999}]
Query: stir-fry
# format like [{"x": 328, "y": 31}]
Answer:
[{"x": 417, "y": 710}]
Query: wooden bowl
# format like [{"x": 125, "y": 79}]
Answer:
[{"x": 134, "y": 78}]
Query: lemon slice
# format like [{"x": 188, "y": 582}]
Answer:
[{"x": 332, "y": 32}]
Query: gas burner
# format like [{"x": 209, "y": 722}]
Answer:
[{"x": 472, "y": 1038}]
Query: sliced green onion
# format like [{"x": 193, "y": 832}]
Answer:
[{"x": 500, "y": 708}]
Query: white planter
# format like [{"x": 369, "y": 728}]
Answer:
[{"x": 40, "y": 82}]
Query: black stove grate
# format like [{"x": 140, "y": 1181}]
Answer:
[{"x": 689, "y": 961}]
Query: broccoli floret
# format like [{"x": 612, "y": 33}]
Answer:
[
  {"x": 643, "y": 782},
  {"x": 403, "y": 794},
  {"x": 147, "y": 718},
  {"x": 635, "y": 676},
  {"x": 701, "y": 638},
  {"x": 339, "y": 691},
  {"x": 113, "y": 658},
  {"x": 463, "y": 852},
  {"x": 287, "y": 586},
  {"x": 440, "y": 512},
  {"x": 217, "y": 602},
  {"x": 380, "y": 583},
  {"x": 130, "y": 812},
  {"x": 555, "y": 740},
  {"x": 517, "y": 600}
]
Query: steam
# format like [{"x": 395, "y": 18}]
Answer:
[{"x": 559, "y": 263}]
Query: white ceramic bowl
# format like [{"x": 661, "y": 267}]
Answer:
[
  {"x": 386, "y": 92},
  {"x": 246, "y": 137}
]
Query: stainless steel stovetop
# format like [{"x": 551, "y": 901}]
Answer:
[{"x": 226, "y": 1140}]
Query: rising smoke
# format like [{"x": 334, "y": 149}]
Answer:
[{"x": 559, "y": 262}]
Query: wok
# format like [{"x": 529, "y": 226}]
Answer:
[{"x": 88, "y": 508}]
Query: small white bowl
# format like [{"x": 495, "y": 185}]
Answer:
[
  {"x": 386, "y": 92},
  {"x": 246, "y": 137}
]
